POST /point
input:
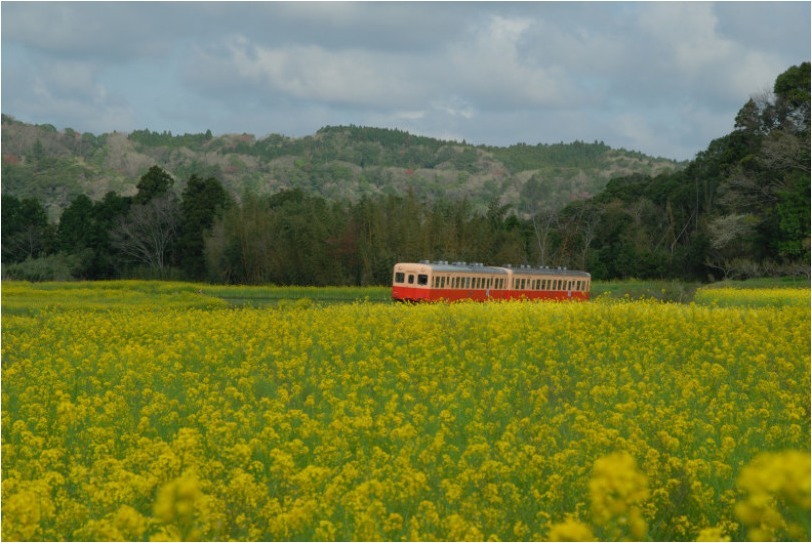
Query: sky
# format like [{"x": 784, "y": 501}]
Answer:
[{"x": 662, "y": 78}]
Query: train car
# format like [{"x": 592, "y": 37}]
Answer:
[{"x": 426, "y": 281}]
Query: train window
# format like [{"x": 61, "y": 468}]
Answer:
[
  {"x": 399, "y": 277},
  {"x": 423, "y": 279},
  {"x": 411, "y": 279}
]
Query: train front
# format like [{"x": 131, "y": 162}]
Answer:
[{"x": 411, "y": 282}]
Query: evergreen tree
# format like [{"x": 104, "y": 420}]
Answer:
[
  {"x": 156, "y": 182},
  {"x": 202, "y": 202},
  {"x": 26, "y": 232}
]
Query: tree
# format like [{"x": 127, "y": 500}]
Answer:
[
  {"x": 147, "y": 232},
  {"x": 536, "y": 198},
  {"x": 84, "y": 228},
  {"x": 156, "y": 182},
  {"x": 76, "y": 225},
  {"x": 793, "y": 103},
  {"x": 25, "y": 229},
  {"x": 202, "y": 202}
]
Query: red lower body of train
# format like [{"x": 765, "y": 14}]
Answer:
[{"x": 417, "y": 294}]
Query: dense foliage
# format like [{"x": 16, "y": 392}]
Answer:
[{"x": 741, "y": 208}]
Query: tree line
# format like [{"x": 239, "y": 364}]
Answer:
[{"x": 740, "y": 209}]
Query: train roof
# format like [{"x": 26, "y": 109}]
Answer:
[
  {"x": 476, "y": 267},
  {"x": 546, "y": 270}
]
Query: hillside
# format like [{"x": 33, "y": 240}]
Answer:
[{"x": 345, "y": 162}]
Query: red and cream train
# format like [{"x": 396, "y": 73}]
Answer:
[{"x": 431, "y": 281}]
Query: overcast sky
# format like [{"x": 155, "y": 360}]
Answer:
[{"x": 661, "y": 78}]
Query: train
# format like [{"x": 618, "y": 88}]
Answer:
[{"x": 427, "y": 281}]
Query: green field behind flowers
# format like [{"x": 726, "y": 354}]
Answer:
[{"x": 173, "y": 411}]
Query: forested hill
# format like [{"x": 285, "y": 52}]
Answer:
[
  {"x": 342, "y": 206},
  {"x": 337, "y": 163}
]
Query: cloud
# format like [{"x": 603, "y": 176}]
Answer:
[
  {"x": 704, "y": 61},
  {"x": 655, "y": 75},
  {"x": 350, "y": 77},
  {"x": 105, "y": 31},
  {"x": 491, "y": 68}
]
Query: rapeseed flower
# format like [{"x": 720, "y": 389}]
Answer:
[{"x": 131, "y": 419}]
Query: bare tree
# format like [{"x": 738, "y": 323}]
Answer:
[
  {"x": 544, "y": 222},
  {"x": 729, "y": 237},
  {"x": 147, "y": 232}
]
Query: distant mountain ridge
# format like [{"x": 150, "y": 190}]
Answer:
[{"x": 338, "y": 162}]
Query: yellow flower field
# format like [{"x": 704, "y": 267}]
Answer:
[{"x": 136, "y": 419}]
